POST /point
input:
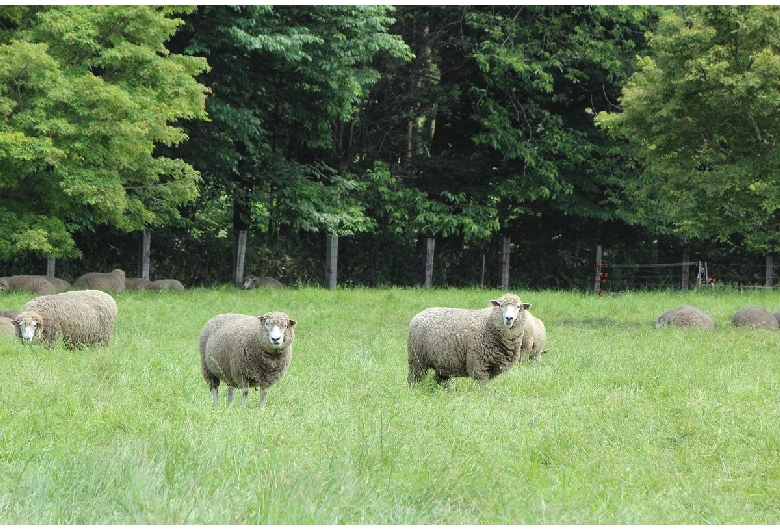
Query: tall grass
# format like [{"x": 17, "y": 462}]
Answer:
[{"x": 619, "y": 423}]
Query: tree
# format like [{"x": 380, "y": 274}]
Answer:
[
  {"x": 283, "y": 79},
  {"x": 703, "y": 114},
  {"x": 87, "y": 94}
]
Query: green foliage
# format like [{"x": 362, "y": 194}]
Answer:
[
  {"x": 702, "y": 112},
  {"x": 88, "y": 93},
  {"x": 620, "y": 423}
]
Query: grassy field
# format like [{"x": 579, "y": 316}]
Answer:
[{"x": 619, "y": 423}]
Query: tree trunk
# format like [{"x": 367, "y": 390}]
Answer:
[
  {"x": 240, "y": 229},
  {"x": 144, "y": 254}
]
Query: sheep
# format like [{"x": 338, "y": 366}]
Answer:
[
  {"x": 159, "y": 285},
  {"x": 58, "y": 283},
  {"x": 27, "y": 282},
  {"x": 534, "y": 338},
  {"x": 245, "y": 351},
  {"x": 103, "y": 281},
  {"x": 9, "y": 313},
  {"x": 255, "y": 282},
  {"x": 480, "y": 344},
  {"x": 7, "y": 326},
  {"x": 754, "y": 317},
  {"x": 686, "y": 316},
  {"x": 77, "y": 317},
  {"x": 136, "y": 284}
]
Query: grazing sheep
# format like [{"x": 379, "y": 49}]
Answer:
[
  {"x": 58, "y": 283},
  {"x": 103, "y": 281},
  {"x": 245, "y": 351},
  {"x": 27, "y": 282},
  {"x": 7, "y": 326},
  {"x": 754, "y": 317},
  {"x": 480, "y": 343},
  {"x": 256, "y": 282},
  {"x": 136, "y": 284},
  {"x": 77, "y": 317},
  {"x": 686, "y": 316},
  {"x": 159, "y": 285}
]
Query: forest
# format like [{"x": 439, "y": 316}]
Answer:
[{"x": 236, "y": 139}]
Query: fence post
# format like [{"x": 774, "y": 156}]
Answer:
[
  {"x": 331, "y": 261},
  {"x": 144, "y": 254},
  {"x": 505, "y": 246},
  {"x": 430, "y": 244},
  {"x": 770, "y": 271},
  {"x": 596, "y": 281},
  {"x": 685, "y": 271}
]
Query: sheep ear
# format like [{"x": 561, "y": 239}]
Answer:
[
  {"x": 496, "y": 303},
  {"x": 261, "y": 319},
  {"x": 526, "y": 306},
  {"x": 291, "y": 323}
]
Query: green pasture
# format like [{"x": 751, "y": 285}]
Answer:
[{"x": 619, "y": 423}]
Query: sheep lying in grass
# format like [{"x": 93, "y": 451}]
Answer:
[
  {"x": 59, "y": 284},
  {"x": 7, "y": 326},
  {"x": 754, "y": 317},
  {"x": 9, "y": 313},
  {"x": 686, "y": 316},
  {"x": 480, "y": 344},
  {"x": 256, "y": 282},
  {"x": 27, "y": 282},
  {"x": 136, "y": 284},
  {"x": 77, "y": 317},
  {"x": 246, "y": 351},
  {"x": 160, "y": 285},
  {"x": 103, "y": 281}
]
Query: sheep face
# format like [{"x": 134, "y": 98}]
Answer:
[
  {"x": 276, "y": 327},
  {"x": 510, "y": 309},
  {"x": 28, "y": 328},
  {"x": 248, "y": 282}
]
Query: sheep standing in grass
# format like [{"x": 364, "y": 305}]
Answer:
[
  {"x": 256, "y": 282},
  {"x": 27, "y": 282},
  {"x": 77, "y": 317},
  {"x": 754, "y": 317},
  {"x": 686, "y": 316},
  {"x": 481, "y": 343},
  {"x": 246, "y": 351},
  {"x": 103, "y": 281}
]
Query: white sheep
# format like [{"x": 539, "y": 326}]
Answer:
[
  {"x": 76, "y": 317},
  {"x": 754, "y": 317},
  {"x": 480, "y": 344},
  {"x": 103, "y": 281},
  {"x": 256, "y": 282},
  {"x": 27, "y": 282},
  {"x": 685, "y": 316},
  {"x": 58, "y": 283},
  {"x": 160, "y": 285},
  {"x": 136, "y": 284},
  {"x": 246, "y": 351}
]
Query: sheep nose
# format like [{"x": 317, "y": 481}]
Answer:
[{"x": 509, "y": 320}]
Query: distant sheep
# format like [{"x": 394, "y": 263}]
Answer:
[
  {"x": 159, "y": 285},
  {"x": 76, "y": 317},
  {"x": 256, "y": 282},
  {"x": 245, "y": 351},
  {"x": 755, "y": 317},
  {"x": 136, "y": 284},
  {"x": 480, "y": 344},
  {"x": 58, "y": 283},
  {"x": 9, "y": 313},
  {"x": 686, "y": 316},
  {"x": 27, "y": 282},
  {"x": 7, "y": 326},
  {"x": 102, "y": 281}
]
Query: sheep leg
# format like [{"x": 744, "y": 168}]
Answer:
[
  {"x": 244, "y": 394},
  {"x": 263, "y": 392},
  {"x": 215, "y": 395},
  {"x": 230, "y": 395}
]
